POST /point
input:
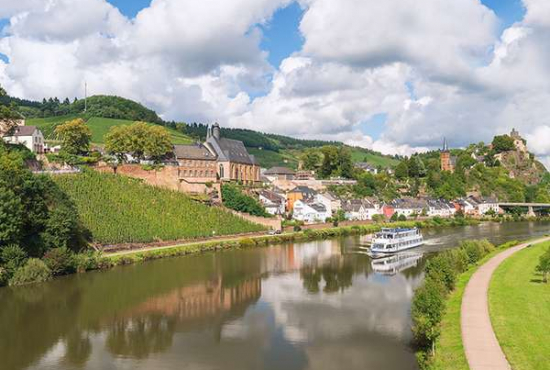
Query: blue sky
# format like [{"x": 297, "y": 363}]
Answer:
[{"x": 282, "y": 37}]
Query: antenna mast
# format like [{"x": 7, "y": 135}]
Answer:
[{"x": 85, "y": 96}]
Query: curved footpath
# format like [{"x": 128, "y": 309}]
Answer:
[{"x": 480, "y": 342}]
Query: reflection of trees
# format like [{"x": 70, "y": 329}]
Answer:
[
  {"x": 140, "y": 337},
  {"x": 337, "y": 274},
  {"x": 78, "y": 349}
]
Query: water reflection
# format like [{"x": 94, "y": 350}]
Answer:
[{"x": 319, "y": 305}]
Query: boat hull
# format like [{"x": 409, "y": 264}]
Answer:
[{"x": 382, "y": 254}]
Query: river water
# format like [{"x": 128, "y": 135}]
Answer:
[{"x": 317, "y": 305}]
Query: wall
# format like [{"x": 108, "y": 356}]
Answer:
[{"x": 272, "y": 223}]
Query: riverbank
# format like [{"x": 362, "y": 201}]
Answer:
[
  {"x": 449, "y": 348},
  {"x": 519, "y": 306},
  {"x": 67, "y": 263}
]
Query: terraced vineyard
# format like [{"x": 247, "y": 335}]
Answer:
[
  {"x": 99, "y": 126},
  {"x": 118, "y": 209}
]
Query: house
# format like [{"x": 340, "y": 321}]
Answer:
[
  {"x": 8, "y": 124},
  {"x": 273, "y": 202},
  {"x": 305, "y": 175},
  {"x": 366, "y": 167},
  {"x": 29, "y": 136},
  {"x": 279, "y": 173},
  {"x": 487, "y": 205},
  {"x": 361, "y": 209},
  {"x": 330, "y": 200},
  {"x": 408, "y": 206},
  {"x": 439, "y": 208},
  {"x": 234, "y": 161},
  {"x": 310, "y": 212},
  {"x": 299, "y": 193},
  {"x": 468, "y": 206}
]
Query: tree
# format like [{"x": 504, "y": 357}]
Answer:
[
  {"x": 75, "y": 136},
  {"x": 140, "y": 140},
  {"x": 544, "y": 265},
  {"x": 330, "y": 160},
  {"x": 402, "y": 170},
  {"x": 345, "y": 162},
  {"x": 311, "y": 159},
  {"x": 158, "y": 143},
  {"x": 503, "y": 143}
]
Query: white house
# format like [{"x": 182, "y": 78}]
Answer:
[
  {"x": 440, "y": 208},
  {"x": 361, "y": 209},
  {"x": 310, "y": 212},
  {"x": 487, "y": 205},
  {"x": 29, "y": 136},
  {"x": 330, "y": 201},
  {"x": 408, "y": 206},
  {"x": 273, "y": 202}
]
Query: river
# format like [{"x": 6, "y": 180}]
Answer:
[{"x": 318, "y": 305}]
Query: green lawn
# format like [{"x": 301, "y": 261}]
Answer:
[
  {"x": 269, "y": 158},
  {"x": 99, "y": 126},
  {"x": 519, "y": 305}
]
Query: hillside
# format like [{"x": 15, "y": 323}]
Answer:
[
  {"x": 118, "y": 209},
  {"x": 99, "y": 126}
]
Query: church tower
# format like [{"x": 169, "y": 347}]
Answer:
[{"x": 446, "y": 159}]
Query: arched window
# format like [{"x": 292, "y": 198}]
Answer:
[{"x": 222, "y": 174}]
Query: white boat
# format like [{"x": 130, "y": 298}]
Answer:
[
  {"x": 395, "y": 263},
  {"x": 390, "y": 241}
]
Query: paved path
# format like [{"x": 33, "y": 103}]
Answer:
[{"x": 480, "y": 343}]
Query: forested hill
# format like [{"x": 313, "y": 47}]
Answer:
[
  {"x": 102, "y": 106},
  {"x": 270, "y": 149}
]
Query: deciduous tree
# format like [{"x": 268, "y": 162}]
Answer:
[{"x": 75, "y": 136}]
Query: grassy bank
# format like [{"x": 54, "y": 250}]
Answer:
[
  {"x": 519, "y": 304},
  {"x": 449, "y": 349},
  {"x": 436, "y": 307},
  {"x": 119, "y": 209}
]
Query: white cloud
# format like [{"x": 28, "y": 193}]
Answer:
[{"x": 432, "y": 68}]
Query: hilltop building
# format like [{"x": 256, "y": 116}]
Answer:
[
  {"x": 519, "y": 142},
  {"x": 448, "y": 162},
  {"x": 29, "y": 136}
]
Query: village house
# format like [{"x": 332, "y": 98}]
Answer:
[
  {"x": 440, "y": 208},
  {"x": 279, "y": 173},
  {"x": 273, "y": 202},
  {"x": 361, "y": 209},
  {"x": 330, "y": 201},
  {"x": 408, "y": 206},
  {"x": 299, "y": 193},
  {"x": 29, "y": 136},
  {"x": 366, "y": 167},
  {"x": 310, "y": 212}
]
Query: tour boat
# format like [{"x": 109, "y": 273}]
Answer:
[{"x": 390, "y": 241}]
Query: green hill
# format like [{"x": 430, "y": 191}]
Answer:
[
  {"x": 99, "y": 126},
  {"x": 119, "y": 209}
]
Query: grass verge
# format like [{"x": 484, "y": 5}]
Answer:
[{"x": 519, "y": 305}]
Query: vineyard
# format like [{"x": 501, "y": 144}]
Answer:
[{"x": 118, "y": 209}]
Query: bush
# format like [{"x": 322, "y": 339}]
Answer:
[
  {"x": 3, "y": 276},
  {"x": 427, "y": 311},
  {"x": 439, "y": 268},
  {"x": 12, "y": 258},
  {"x": 402, "y": 218},
  {"x": 234, "y": 199},
  {"x": 297, "y": 228},
  {"x": 34, "y": 271},
  {"x": 247, "y": 242},
  {"x": 60, "y": 261}
]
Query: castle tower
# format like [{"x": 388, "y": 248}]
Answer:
[{"x": 216, "y": 131}]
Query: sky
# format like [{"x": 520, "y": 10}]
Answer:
[{"x": 394, "y": 76}]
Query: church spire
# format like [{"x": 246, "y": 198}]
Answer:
[{"x": 445, "y": 146}]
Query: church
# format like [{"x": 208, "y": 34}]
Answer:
[
  {"x": 448, "y": 162},
  {"x": 217, "y": 159}
]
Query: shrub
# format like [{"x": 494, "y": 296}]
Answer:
[
  {"x": 247, "y": 242},
  {"x": 34, "y": 271},
  {"x": 439, "y": 268},
  {"x": 427, "y": 310},
  {"x": 234, "y": 199},
  {"x": 3, "y": 276},
  {"x": 402, "y": 218},
  {"x": 12, "y": 258},
  {"x": 544, "y": 265},
  {"x": 297, "y": 228},
  {"x": 60, "y": 261}
]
